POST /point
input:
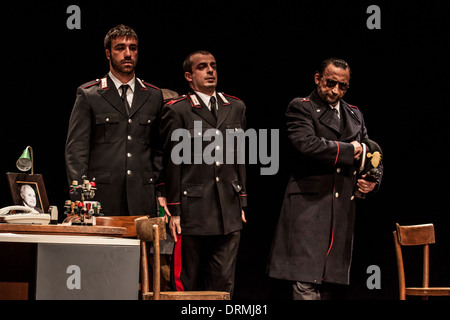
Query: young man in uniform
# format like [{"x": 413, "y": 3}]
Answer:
[
  {"x": 205, "y": 198},
  {"x": 113, "y": 133}
]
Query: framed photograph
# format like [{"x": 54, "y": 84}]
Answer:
[{"x": 28, "y": 190}]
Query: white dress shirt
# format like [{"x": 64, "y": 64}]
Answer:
[
  {"x": 206, "y": 99},
  {"x": 130, "y": 91},
  {"x": 337, "y": 108}
]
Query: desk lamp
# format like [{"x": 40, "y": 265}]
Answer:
[{"x": 25, "y": 161}]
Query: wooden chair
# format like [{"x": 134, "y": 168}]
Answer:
[
  {"x": 416, "y": 235},
  {"x": 153, "y": 230}
]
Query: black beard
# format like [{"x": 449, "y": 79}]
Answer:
[{"x": 120, "y": 70}]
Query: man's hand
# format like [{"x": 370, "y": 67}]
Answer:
[
  {"x": 163, "y": 203},
  {"x": 243, "y": 217},
  {"x": 175, "y": 227},
  {"x": 358, "y": 148},
  {"x": 365, "y": 186}
]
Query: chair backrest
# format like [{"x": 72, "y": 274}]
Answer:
[
  {"x": 119, "y": 221},
  {"x": 151, "y": 230},
  {"x": 415, "y": 235},
  {"x": 145, "y": 231}
]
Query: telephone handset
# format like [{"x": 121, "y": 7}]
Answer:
[
  {"x": 6, "y": 210},
  {"x": 25, "y": 216}
]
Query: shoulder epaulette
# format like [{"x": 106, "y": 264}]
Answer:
[
  {"x": 354, "y": 107},
  {"x": 173, "y": 101},
  {"x": 91, "y": 83},
  {"x": 305, "y": 100},
  {"x": 144, "y": 85},
  {"x": 230, "y": 96}
]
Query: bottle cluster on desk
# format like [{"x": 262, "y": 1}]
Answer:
[{"x": 81, "y": 209}]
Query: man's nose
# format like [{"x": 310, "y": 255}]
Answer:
[{"x": 336, "y": 89}]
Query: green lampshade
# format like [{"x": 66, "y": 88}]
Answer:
[{"x": 25, "y": 161}]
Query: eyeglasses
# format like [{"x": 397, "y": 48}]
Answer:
[{"x": 332, "y": 83}]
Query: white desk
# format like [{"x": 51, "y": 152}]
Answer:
[{"x": 69, "y": 267}]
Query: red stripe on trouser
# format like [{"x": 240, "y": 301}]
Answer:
[{"x": 177, "y": 264}]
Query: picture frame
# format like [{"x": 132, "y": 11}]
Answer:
[{"x": 28, "y": 190}]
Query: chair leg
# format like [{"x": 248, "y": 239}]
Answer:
[
  {"x": 156, "y": 264},
  {"x": 144, "y": 269},
  {"x": 400, "y": 268}
]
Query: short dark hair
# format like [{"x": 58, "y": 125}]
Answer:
[
  {"x": 340, "y": 63},
  {"x": 187, "y": 64},
  {"x": 119, "y": 32}
]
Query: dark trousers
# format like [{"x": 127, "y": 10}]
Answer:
[{"x": 206, "y": 262}]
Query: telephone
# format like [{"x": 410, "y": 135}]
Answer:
[{"x": 24, "y": 216}]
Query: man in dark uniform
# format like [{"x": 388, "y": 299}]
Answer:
[
  {"x": 113, "y": 133},
  {"x": 314, "y": 236},
  {"x": 205, "y": 200}
]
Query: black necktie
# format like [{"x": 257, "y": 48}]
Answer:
[
  {"x": 335, "y": 118},
  {"x": 212, "y": 102},
  {"x": 124, "y": 88}
]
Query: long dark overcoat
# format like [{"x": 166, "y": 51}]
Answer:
[
  {"x": 119, "y": 148},
  {"x": 314, "y": 236}
]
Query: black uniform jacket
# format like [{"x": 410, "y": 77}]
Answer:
[
  {"x": 117, "y": 147},
  {"x": 208, "y": 197},
  {"x": 314, "y": 236}
]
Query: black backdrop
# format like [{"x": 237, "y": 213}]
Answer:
[{"x": 266, "y": 56}]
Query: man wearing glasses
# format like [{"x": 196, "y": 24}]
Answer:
[{"x": 312, "y": 246}]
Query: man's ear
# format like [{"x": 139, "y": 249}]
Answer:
[
  {"x": 317, "y": 77},
  {"x": 108, "y": 54},
  {"x": 188, "y": 76}
]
